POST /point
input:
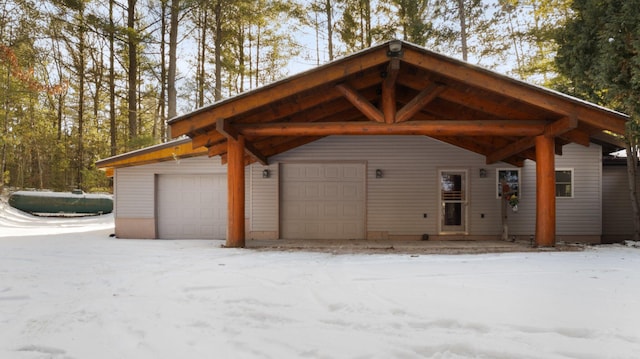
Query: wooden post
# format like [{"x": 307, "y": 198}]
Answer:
[
  {"x": 545, "y": 192},
  {"x": 235, "y": 190}
]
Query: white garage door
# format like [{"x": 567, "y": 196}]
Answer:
[
  {"x": 192, "y": 206},
  {"x": 322, "y": 201}
]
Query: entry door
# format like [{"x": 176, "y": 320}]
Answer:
[{"x": 453, "y": 200}]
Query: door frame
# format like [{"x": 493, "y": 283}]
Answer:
[{"x": 465, "y": 202}]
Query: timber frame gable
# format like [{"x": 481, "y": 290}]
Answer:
[
  {"x": 397, "y": 88},
  {"x": 394, "y": 88}
]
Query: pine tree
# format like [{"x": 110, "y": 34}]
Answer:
[{"x": 599, "y": 53}]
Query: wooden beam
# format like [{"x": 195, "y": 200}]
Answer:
[
  {"x": 577, "y": 136},
  {"x": 218, "y": 149},
  {"x": 545, "y": 192},
  {"x": 389, "y": 90},
  {"x": 479, "y": 100},
  {"x": 469, "y": 144},
  {"x": 207, "y": 139},
  {"x": 235, "y": 193},
  {"x": 553, "y": 129},
  {"x": 360, "y": 102},
  {"x": 333, "y": 72},
  {"x": 561, "y": 126},
  {"x": 312, "y": 100},
  {"x": 224, "y": 127},
  {"x": 476, "y": 77},
  {"x": 164, "y": 152},
  {"x": 292, "y": 143},
  {"x": 428, "y": 128},
  {"x": 512, "y": 149},
  {"x": 609, "y": 138},
  {"x": 420, "y": 101}
]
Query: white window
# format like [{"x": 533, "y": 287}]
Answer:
[
  {"x": 564, "y": 182},
  {"x": 508, "y": 177}
]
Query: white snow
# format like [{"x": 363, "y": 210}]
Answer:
[{"x": 68, "y": 290}]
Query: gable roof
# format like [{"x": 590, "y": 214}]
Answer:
[
  {"x": 180, "y": 148},
  {"x": 412, "y": 91}
]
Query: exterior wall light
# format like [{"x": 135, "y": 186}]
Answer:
[
  {"x": 483, "y": 173},
  {"x": 395, "y": 48},
  {"x": 266, "y": 174},
  {"x": 378, "y": 173}
]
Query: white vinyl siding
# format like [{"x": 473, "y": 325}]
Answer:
[
  {"x": 397, "y": 202},
  {"x": 617, "y": 216},
  {"x": 134, "y": 193},
  {"x": 135, "y": 186},
  {"x": 264, "y": 198},
  {"x": 580, "y": 215}
]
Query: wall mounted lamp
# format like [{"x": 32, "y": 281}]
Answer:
[
  {"x": 378, "y": 173},
  {"x": 266, "y": 174},
  {"x": 483, "y": 173}
]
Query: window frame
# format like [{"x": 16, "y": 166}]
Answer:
[
  {"x": 572, "y": 183},
  {"x": 498, "y": 187}
]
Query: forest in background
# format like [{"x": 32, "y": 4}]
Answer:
[{"x": 82, "y": 80}]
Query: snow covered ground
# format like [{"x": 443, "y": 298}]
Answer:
[{"x": 68, "y": 290}]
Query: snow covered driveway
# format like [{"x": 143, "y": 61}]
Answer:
[{"x": 70, "y": 291}]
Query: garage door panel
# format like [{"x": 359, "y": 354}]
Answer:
[
  {"x": 322, "y": 201},
  {"x": 191, "y": 206}
]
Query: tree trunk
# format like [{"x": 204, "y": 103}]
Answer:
[
  {"x": 463, "y": 29},
  {"x": 81, "y": 90},
  {"x": 112, "y": 83},
  {"x": 218, "y": 50},
  {"x": 202, "y": 55},
  {"x": 632, "y": 175},
  {"x": 5, "y": 132},
  {"x": 173, "y": 44},
  {"x": 164, "y": 135},
  {"x": 329, "y": 29},
  {"x": 132, "y": 43}
]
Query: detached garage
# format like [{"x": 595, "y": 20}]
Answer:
[{"x": 392, "y": 142}]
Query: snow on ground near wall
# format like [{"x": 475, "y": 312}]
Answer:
[{"x": 68, "y": 290}]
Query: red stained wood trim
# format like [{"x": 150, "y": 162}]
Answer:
[
  {"x": 360, "y": 102},
  {"x": 218, "y": 149},
  {"x": 553, "y": 129},
  {"x": 561, "y": 126},
  {"x": 471, "y": 76},
  {"x": 207, "y": 139},
  {"x": 224, "y": 127},
  {"x": 235, "y": 191},
  {"x": 389, "y": 91},
  {"x": 512, "y": 149},
  {"x": 577, "y": 136},
  {"x": 252, "y": 100},
  {"x": 420, "y": 101},
  {"x": 428, "y": 128},
  {"x": 545, "y": 192}
]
